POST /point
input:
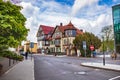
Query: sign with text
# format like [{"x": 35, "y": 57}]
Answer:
[
  {"x": 84, "y": 44},
  {"x": 31, "y": 44}
]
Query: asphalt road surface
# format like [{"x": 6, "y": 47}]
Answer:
[{"x": 68, "y": 68}]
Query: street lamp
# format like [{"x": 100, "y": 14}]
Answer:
[{"x": 103, "y": 52}]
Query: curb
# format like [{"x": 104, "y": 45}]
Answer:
[{"x": 92, "y": 66}]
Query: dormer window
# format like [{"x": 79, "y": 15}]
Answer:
[{"x": 70, "y": 33}]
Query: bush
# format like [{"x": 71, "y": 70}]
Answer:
[
  {"x": 20, "y": 58},
  {"x": 7, "y": 54},
  {"x": 12, "y": 55}
]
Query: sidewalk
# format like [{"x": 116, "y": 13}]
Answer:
[
  {"x": 21, "y": 71},
  {"x": 113, "y": 67}
]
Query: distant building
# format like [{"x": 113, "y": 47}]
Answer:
[
  {"x": 27, "y": 47},
  {"x": 58, "y": 40},
  {"x": 116, "y": 25}
]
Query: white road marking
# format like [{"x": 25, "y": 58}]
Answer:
[
  {"x": 80, "y": 72},
  {"x": 61, "y": 56},
  {"x": 114, "y": 78}
]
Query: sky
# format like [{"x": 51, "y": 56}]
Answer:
[{"x": 89, "y": 15}]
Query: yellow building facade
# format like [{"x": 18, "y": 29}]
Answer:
[{"x": 27, "y": 47}]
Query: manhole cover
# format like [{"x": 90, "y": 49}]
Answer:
[{"x": 82, "y": 72}]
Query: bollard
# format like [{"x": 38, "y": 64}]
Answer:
[
  {"x": 9, "y": 62},
  {"x": 13, "y": 61}
]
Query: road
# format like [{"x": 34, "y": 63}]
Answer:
[{"x": 68, "y": 68}]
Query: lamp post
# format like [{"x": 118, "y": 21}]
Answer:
[
  {"x": 103, "y": 52},
  {"x": 103, "y": 47}
]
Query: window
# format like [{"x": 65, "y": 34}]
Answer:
[
  {"x": 65, "y": 42},
  {"x": 117, "y": 38},
  {"x": 58, "y": 49},
  {"x": 57, "y": 34},
  {"x": 73, "y": 33},
  {"x": 116, "y": 12},
  {"x": 47, "y": 42},
  {"x": 57, "y": 42},
  {"x": 116, "y": 26},
  {"x": 66, "y": 33},
  {"x": 43, "y": 43},
  {"x": 70, "y": 32},
  {"x": 52, "y": 50}
]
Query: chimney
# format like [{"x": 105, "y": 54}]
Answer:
[
  {"x": 81, "y": 30},
  {"x": 61, "y": 24}
]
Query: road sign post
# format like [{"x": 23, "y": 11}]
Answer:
[
  {"x": 92, "y": 48},
  {"x": 31, "y": 46},
  {"x": 84, "y": 47}
]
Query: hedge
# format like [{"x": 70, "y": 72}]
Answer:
[{"x": 11, "y": 55}]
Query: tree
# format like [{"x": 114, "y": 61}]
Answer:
[
  {"x": 90, "y": 39},
  {"x": 107, "y": 32},
  {"x": 12, "y": 25}
]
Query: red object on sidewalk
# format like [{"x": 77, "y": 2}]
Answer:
[{"x": 91, "y": 47}]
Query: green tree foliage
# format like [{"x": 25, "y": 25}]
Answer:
[
  {"x": 110, "y": 43},
  {"x": 12, "y": 25},
  {"x": 90, "y": 39},
  {"x": 107, "y": 32}
]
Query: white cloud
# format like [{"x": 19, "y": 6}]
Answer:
[
  {"x": 28, "y": 9},
  {"x": 31, "y": 13},
  {"x": 92, "y": 16},
  {"x": 78, "y": 4},
  {"x": 53, "y": 14}
]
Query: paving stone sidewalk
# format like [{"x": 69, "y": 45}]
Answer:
[{"x": 21, "y": 71}]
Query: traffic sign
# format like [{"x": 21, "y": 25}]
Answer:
[
  {"x": 31, "y": 44},
  {"x": 84, "y": 44},
  {"x": 91, "y": 47}
]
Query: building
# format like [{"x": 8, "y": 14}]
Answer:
[
  {"x": 27, "y": 47},
  {"x": 43, "y": 35},
  {"x": 116, "y": 26},
  {"x": 60, "y": 39}
]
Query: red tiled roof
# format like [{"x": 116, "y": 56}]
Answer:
[
  {"x": 69, "y": 26},
  {"x": 79, "y": 32},
  {"x": 46, "y": 29}
]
